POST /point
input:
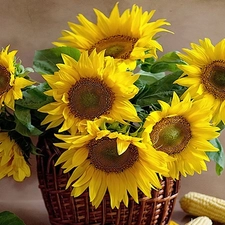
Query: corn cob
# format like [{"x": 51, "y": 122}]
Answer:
[
  {"x": 198, "y": 204},
  {"x": 201, "y": 220}
]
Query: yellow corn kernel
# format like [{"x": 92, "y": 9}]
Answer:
[
  {"x": 201, "y": 220},
  {"x": 198, "y": 204}
]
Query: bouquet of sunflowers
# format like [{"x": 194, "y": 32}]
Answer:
[{"x": 124, "y": 116}]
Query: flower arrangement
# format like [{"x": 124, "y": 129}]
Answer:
[{"x": 122, "y": 114}]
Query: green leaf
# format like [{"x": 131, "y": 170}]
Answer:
[
  {"x": 217, "y": 157},
  {"x": 160, "y": 90},
  {"x": 147, "y": 78},
  {"x": 45, "y": 60},
  {"x": 163, "y": 66},
  {"x": 171, "y": 57},
  {"x": 221, "y": 125},
  {"x": 167, "y": 62},
  {"x": 23, "y": 122},
  {"x": 9, "y": 218},
  {"x": 34, "y": 97}
]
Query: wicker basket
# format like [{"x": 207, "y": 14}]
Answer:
[{"x": 66, "y": 210}]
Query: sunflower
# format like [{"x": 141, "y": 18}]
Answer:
[
  {"x": 125, "y": 37},
  {"x": 102, "y": 160},
  {"x": 204, "y": 75},
  {"x": 10, "y": 85},
  {"x": 90, "y": 89},
  {"x": 182, "y": 130},
  {"x": 12, "y": 162}
]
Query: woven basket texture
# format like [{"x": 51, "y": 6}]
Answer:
[{"x": 66, "y": 210}]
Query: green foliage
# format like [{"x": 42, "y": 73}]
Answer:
[
  {"x": 159, "y": 90},
  {"x": 217, "y": 157},
  {"x": 45, "y": 61},
  {"x": 23, "y": 122},
  {"x": 9, "y": 218},
  {"x": 34, "y": 97},
  {"x": 167, "y": 62},
  {"x": 21, "y": 71},
  {"x": 156, "y": 81}
]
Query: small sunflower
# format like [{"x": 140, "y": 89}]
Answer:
[
  {"x": 102, "y": 160},
  {"x": 126, "y": 37},
  {"x": 12, "y": 162},
  {"x": 182, "y": 130},
  {"x": 10, "y": 85},
  {"x": 204, "y": 75},
  {"x": 90, "y": 89}
]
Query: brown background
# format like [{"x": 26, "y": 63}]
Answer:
[{"x": 29, "y": 25}]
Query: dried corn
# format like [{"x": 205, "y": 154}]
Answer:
[
  {"x": 201, "y": 220},
  {"x": 198, "y": 204}
]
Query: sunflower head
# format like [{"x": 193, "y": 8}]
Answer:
[
  {"x": 10, "y": 83},
  {"x": 126, "y": 37},
  {"x": 182, "y": 130},
  {"x": 204, "y": 75},
  {"x": 110, "y": 160},
  {"x": 90, "y": 89}
]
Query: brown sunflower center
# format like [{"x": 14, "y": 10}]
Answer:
[
  {"x": 4, "y": 80},
  {"x": 117, "y": 46},
  {"x": 171, "y": 134},
  {"x": 90, "y": 98},
  {"x": 213, "y": 78},
  {"x": 104, "y": 156}
]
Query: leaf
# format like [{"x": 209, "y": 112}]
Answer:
[
  {"x": 163, "y": 66},
  {"x": 147, "y": 79},
  {"x": 217, "y": 157},
  {"x": 45, "y": 60},
  {"x": 9, "y": 218},
  {"x": 34, "y": 97},
  {"x": 167, "y": 62},
  {"x": 23, "y": 122},
  {"x": 171, "y": 57},
  {"x": 160, "y": 90},
  {"x": 221, "y": 125}
]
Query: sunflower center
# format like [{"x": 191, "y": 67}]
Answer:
[
  {"x": 104, "y": 156},
  {"x": 171, "y": 134},
  {"x": 90, "y": 98},
  {"x": 4, "y": 80},
  {"x": 117, "y": 46},
  {"x": 213, "y": 78}
]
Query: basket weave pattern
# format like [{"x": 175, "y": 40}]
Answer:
[{"x": 66, "y": 210}]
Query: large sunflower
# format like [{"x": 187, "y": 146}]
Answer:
[
  {"x": 126, "y": 37},
  {"x": 182, "y": 130},
  {"x": 90, "y": 89},
  {"x": 102, "y": 160},
  {"x": 204, "y": 75},
  {"x": 10, "y": 85},
  {"x": 12, "y": 162}
]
